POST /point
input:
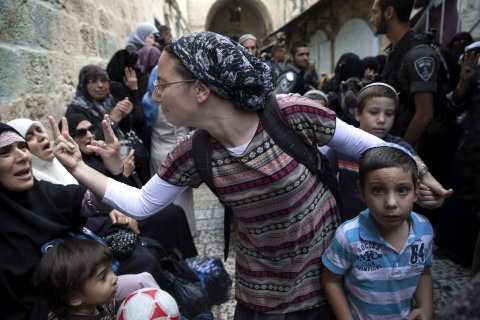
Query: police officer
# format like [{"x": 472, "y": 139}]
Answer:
[
  {"x": 277, "y": 61},
  {"x": 412, "y": 68},
  {"x": 299, "y": 76}
]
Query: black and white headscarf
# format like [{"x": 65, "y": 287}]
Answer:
[{"x": 226, "y": 67}]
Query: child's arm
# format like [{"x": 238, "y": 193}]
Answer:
[
  {"x": 423, "y": 298},
  {"x": 332, "y": 284}
]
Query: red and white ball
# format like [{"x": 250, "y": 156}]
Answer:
[{"x": 148, "y": 304}]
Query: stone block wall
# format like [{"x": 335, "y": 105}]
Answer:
[{"x": 44, "y": 43}]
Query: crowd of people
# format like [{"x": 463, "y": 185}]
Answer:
[{"x": 401, "y": 142}]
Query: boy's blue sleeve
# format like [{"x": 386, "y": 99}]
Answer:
[{"x": 338, "y": 256}]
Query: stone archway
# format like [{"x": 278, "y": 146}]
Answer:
[
  {"x": 357, "y": 36},
  {"x": 321, "y": 52},
  {"x": 253, "y": 18}
]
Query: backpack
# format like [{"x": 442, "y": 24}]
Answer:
[
  {"x": 283, "y": 135},
  {"x": 347, "y": 98}
]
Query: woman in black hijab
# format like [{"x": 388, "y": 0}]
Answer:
[
  {"x": 126, "y": 81},
  {"x": 93, "y": 99},
  {"x": 34, "y": 212}
]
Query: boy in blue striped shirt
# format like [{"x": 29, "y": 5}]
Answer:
[{"x": 378, "y": 264}]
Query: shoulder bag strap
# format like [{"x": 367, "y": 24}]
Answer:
[
  {"x": 284, "y": 136},
  {"x": 203, "y": 164}
]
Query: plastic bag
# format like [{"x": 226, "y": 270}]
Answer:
[
  {"x": 213, "y": 276},
  {"x": 186, "y": 288}
]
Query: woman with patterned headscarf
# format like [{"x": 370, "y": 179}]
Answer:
[{"x": 286, "y": 214}]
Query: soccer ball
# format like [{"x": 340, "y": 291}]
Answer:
[{"x": 148, "y": 304}]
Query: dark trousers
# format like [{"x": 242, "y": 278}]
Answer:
[{"x": 322, "y": 312}]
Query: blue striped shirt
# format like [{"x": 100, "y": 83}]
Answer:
[{"x": 379, "y": 280}]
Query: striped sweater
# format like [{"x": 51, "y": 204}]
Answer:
[{"x": 286, "y": 217}]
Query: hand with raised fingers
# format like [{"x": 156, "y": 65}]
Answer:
[
  {"x": 468, "y": 65},
  {"x": 109, "y": 149},
  {"x": 65, "y": 148},
  {"x": 129, "y": 164},
  {"x": 130, "y": 78}
]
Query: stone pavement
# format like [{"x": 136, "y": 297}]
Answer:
[{"x": 447, "y": 276}]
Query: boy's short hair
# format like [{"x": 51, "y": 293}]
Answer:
[
  {"x": 386, "y": 155},
  {"x": 374, "y": 90},
  {"x": 65, "y": 268}
]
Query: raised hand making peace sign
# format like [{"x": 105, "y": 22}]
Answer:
[{"x": 68, "y": 153}]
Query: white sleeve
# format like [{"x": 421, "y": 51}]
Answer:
[
  {"x": 141, "y": 203},
  {"x": 350, "y": 140}
]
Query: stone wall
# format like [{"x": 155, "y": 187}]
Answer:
[{"x": 44, "y": 43}]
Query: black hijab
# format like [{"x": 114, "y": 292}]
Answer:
[
  {"x": 84, "y": 104},
  {"x": 119, "y": 61},
  {"x": 29, "y": 219}
]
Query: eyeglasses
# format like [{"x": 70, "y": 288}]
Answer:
[
  {"x": 159, "y": 86},
  {"x": 80, "y": 133}
]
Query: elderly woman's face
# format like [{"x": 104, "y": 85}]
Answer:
[
  {"x": 39, "y": 143},
  {"x": 98, "y": 88},
  {"x": 16, "y": 167},
  {"x": 84, "y": 134}
]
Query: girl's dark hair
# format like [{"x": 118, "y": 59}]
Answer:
[
  {"x": 385, "y": 157},
  {"x": 65, "y": 268},
  {"x": 179, "y": 67}
]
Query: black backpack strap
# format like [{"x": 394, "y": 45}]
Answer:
[
  {"x": 202, "y": 157},
  {"x": 203, "y": 164},
  {"x": 282, "y": 133}
]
